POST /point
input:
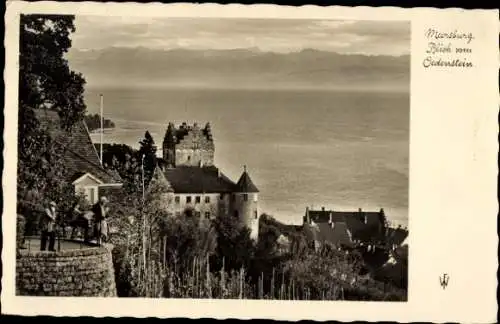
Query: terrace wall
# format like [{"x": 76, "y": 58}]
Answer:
[{"x": 80, "y": 272}]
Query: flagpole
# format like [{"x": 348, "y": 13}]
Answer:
[{"x": 102, "y": 126}]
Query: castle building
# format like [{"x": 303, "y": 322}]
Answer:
[{"x": 196, "y": 185}]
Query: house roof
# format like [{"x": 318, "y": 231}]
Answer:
[
  {"x": 190, "y": 179},
  {"x": 80, "y": 155},
  {"x": 397, "y": 235},
  {"x": 355, "y": 221},
  {"x": 342, "y": 216},
  {"x": 245, "y": 184},
  {"x": 337, "y": 235}
]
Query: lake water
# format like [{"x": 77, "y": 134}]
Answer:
[{"x": 341, "y": 150}]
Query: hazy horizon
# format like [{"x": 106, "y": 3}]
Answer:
[{"x": 240, "y": 53}]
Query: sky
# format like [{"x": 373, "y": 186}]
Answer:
[{"x": 268, "y": 35}]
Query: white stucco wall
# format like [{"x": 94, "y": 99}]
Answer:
[
  {"x": 215, "y": 206},
  {"x": 89, "y": 187}
]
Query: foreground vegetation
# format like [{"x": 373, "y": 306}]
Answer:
[
  {"x": 158, "y": 255},
  {"x": 93, "y": 122}
]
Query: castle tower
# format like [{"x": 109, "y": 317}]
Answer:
[
  {"x": 169, "y": 142},
  {"x": 188, "y": 145},
  {"x": 246, "y": 203}
]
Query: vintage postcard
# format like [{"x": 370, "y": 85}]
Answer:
[{"x": 250, "y": 161}]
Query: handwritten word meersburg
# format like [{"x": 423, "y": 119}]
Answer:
[
  {"x": 441, "y": 43},
  {"x": 453, "y": 35}
]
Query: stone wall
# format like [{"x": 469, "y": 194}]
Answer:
[{"x": 80, "y": 272}]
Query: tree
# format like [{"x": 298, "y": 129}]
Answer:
[
  {"x": 45, "y": 82},
  {"x": 45, "y": 79},
  {"x": 234, "y": 244},
  {"x": 148, "y": 150}
]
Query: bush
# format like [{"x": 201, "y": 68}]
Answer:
[{"x": 20, "y": 224}]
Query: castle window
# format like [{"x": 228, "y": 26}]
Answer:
[
  {"x": 197, "y": 214},
  {"x": 245, "y": 197},
  {"x": 177, "y": 199},
  {"x": 198, "y": 199},
  {"x": 207, "y": 215},
  {"x": 236, "y": 214},
  {"x": 221, "y": 196},
  {"x": 188, "y": 199},
  {"x": 255, "y": 215},
  {"x": 189, "y": 158},
  {"x": 207, "y": 199}
]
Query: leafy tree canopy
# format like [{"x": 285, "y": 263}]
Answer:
[{"x": 45, "y": 82}]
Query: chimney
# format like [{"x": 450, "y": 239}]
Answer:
[
  {"x": 322, "y": 208},
  {"x": 359, "y": 210}
]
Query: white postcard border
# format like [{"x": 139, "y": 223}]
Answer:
[{"x": 452, "y": 197}]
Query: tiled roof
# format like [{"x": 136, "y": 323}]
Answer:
[
  {"x": 80, "y": 155},
  {"x": 338, "y": 235},
  {"x": 355, "y": 222},
  {"x": 341, "y": 216},
  {"x": 208, "y": 179},
  {"x": 245, "y": 184},
  {"x": 397, "y": 235}
]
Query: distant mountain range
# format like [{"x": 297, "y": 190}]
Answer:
[{"x": 239, "y": 68}]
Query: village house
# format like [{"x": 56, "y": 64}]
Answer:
[
  {"x": 187, "y": 167},
  {"x": 344, "y": 229},
  {"x": 80, "y": 158}
]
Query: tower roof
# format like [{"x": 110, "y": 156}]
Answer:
[{"x": 245, "y": 184}]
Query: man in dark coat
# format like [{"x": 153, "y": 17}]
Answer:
[
  {"x": 100, "y": 211},
  {"x": 48, "y": 227}
]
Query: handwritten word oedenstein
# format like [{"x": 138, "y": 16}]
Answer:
[
  {"x": 453, "y": 35},
  {"x": 429, "y": 61}
]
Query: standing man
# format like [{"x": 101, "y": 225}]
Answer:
[
  {"x": 78, "y": 221},
  {"x": 100, "y": 211},
  {"x": 48, "y": 227}
]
